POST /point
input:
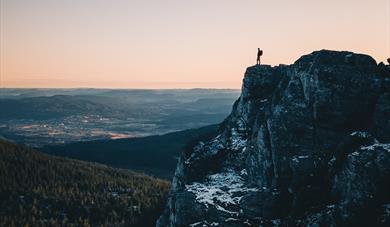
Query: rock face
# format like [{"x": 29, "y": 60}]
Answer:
[{"x": 305, "y": 145}]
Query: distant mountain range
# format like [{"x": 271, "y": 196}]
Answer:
[
  {"x": 111, "y": 105},
  {"x": 136, "y": 94},
  {"x": 155, "y": 155},
  {"x": 54, "y": 107},
  {"x": 41, "y": 190}
]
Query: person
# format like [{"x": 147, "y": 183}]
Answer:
[{"x": 259, "y": 53}]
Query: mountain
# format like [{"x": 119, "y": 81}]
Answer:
[
  {"x": 25, "y": 104},
  {"x": 306, "y": 144},
  {"x": 154, "y": 155},
  {"x": 53, "y": 107},
  {"x": 42, "y": 190}
]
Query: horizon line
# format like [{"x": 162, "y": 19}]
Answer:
[{"x": 116, "y": 88}]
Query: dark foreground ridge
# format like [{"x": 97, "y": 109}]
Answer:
[{"x": 305, "y": 145}]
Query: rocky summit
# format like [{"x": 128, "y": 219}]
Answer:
[{"x": 306, "y": 144}]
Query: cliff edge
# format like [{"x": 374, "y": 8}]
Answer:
[{"x": 306, "y": 144}]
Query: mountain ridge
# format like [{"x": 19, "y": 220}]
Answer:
[{"x": 317, "y": 127}]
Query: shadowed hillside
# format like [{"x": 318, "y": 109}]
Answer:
[
  {"x": 40, "y": 190},
  {"x": 156, "y": 155}
]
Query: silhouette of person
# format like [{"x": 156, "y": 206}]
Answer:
[
  {"x": 388, "y": 61},
  {"x": 259, "y": 53}
]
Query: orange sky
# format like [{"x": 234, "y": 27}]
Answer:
[{"x": 175, "y": 43}]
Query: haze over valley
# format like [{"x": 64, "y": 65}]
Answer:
[{"x": 38, "y": 117}]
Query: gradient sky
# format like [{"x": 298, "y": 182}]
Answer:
[{"x": 175, "y": 43}]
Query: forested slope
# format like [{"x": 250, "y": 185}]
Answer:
[{"x": 42, "y": 190}]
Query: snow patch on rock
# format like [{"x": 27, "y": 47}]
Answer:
[
  {"x": 238, "y": 141},
  {"x": 206, "y": 149},
  {"x": 360, "y": 134},
  {"x": 385, "y": 146},
  {"x": 222, "y": 191}
]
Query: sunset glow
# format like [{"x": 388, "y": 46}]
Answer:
[{"x": 175, "y": 43}]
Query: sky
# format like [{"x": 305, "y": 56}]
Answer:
[{"x": 175, "y": 43}]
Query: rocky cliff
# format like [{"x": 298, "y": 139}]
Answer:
[{"x": 306, "y": 144}]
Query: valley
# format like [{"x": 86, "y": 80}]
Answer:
[{"x": 37, "y": 117}]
